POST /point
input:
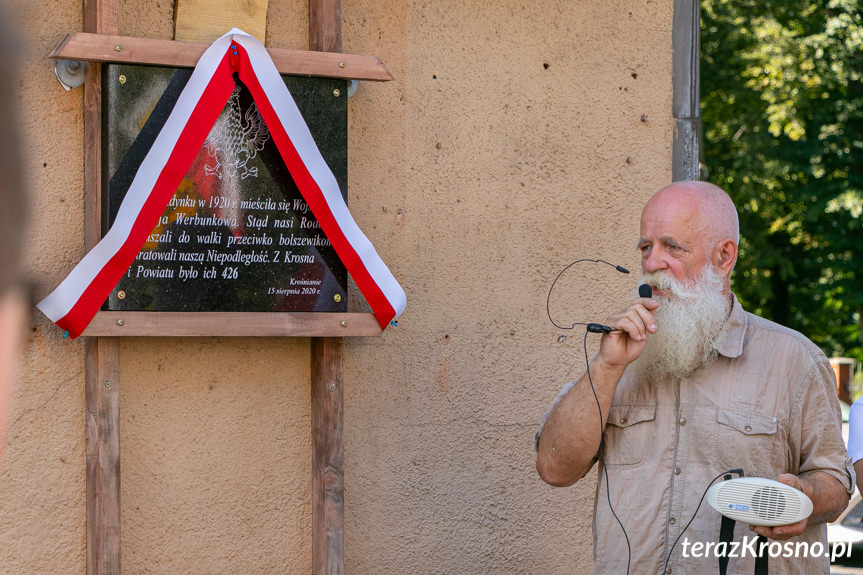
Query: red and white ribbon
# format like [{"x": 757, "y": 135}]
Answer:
[{"x": 77, "y": 299}]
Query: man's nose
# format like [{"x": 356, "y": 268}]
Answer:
[{"x": 654, "y": 262}]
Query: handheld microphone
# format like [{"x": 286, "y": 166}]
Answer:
[{"x": 644, "y": 290}]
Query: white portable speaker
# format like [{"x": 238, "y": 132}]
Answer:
[{"x": 759, "y": 501}]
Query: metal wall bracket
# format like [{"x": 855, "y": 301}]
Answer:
[{"x": 70, "y": 73}]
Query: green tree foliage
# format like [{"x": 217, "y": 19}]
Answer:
[{"x": 782, "y": 109}]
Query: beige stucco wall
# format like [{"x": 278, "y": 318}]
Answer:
[{"x": 478, "y": 173}]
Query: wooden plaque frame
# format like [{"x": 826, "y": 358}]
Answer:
[
  {"x": 98, "y": 48},
  {"x": 100, "y": 43}
]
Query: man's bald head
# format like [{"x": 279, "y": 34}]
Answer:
[{"x": 717, "y": 212}]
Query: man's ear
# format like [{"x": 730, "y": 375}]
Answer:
[{"x": 725, "y": 255}]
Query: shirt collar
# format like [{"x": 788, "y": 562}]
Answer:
[{"x": 730, "y": 340}]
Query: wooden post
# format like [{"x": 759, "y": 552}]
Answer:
[
  {"x": 325, "y": 25},
  {"x": 328, "y": 503},
  {"x": 103, "y": 456},
  {"x": 328, "y": 510},
  {"x": 102, "y": 366},
  {"x": 206, "y": 20}
]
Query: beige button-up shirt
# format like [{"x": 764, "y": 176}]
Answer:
[{"x": 767, "y": 405}]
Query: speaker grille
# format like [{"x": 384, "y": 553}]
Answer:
[{"x": 768, "y": 503}]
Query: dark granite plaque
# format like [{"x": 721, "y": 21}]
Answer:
[{"x": 237, "y": 235}]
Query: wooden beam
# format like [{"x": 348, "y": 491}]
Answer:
[
  {"x": 206, "y": 20},
  {"x": 325, "y": 25},
  {"x": 232, "y": 324},
  {"x": 153, "y": 51},
  {"x": 328, "y": 507},
  {"x": 101, "y": 356},
  {"x": 101, "y": 16},
  {"x": 103, "y": 456}
]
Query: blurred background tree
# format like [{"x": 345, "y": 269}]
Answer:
[{"x": 782, "y": 110}]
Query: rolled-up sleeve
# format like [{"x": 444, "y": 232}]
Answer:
[{"x": 820, "y": 426}]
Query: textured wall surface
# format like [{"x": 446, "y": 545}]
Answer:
[{"x": 510, "y": 143}]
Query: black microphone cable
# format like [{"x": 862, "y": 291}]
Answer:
[
  {"x": 595, "y": 328},
  {"x": 726, "y": 473},
  {"x": 602, "y": 457}
]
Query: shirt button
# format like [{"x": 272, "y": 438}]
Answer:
[
  {"x": 668, "y": 571},
  {"x": 677, "y": 471},
  {"x": 682, "y": 421},
  {"x": 747, "y": 429},
  {"x": 623, "y": 421},
  {"x": 672, "y": 521}
]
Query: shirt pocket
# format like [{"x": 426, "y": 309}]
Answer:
[
  {"x": 626, "y": 432},
  {"x": 746, "y": 440}
]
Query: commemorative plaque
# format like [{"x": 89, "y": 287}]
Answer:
[{"x": 237, "y": 234}]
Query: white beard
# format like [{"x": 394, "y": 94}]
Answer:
[{"x": 688, "y": 320}]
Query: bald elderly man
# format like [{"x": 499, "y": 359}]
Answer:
[{"x": 692, "y": 385}]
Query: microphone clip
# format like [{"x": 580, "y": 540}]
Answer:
[{"x": 598, "y": 328}]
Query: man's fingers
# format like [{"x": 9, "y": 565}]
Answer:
[
  {"x": 636, "y": 320},
  {"x": 628, "y": 325},
  {"x": 780, "y": 532},
  {"x": 647, "y": 303},
  {"x": 646, "y": 318},
  {"x": 634, "y": 325},
  {"x": 633, "y": 316},
  {"x": 791, "y": 480},
  {"x": 787, "y": 531}
]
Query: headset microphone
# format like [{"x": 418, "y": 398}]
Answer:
[
  {"x": 591, "y": 327},
  {"x": 644, "y": 291}
]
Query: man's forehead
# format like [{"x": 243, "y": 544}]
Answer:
[
  {"x": 678, "y": 197},
  {"x": 671, "y": 214}
]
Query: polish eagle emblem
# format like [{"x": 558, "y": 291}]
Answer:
[{"x": 235, "y": 139}]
